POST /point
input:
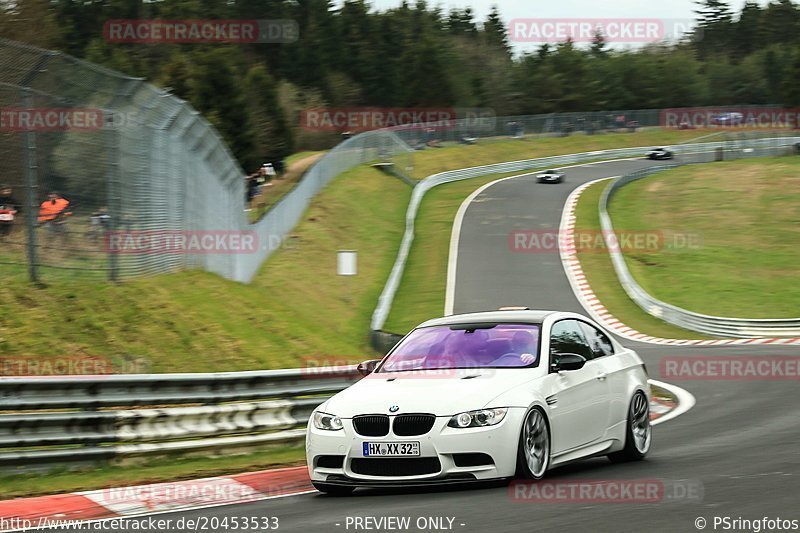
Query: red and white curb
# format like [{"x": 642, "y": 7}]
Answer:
[
  {"x": 587, "y": 297},
  {"x": 62, "y": 510},
  {"x": 663, "y": 410}
]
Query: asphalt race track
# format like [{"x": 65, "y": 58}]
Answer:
[{"x": 741, "y": 441}]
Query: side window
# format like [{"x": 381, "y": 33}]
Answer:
[
  {"x": 566, "y": 336},
  {"x": 598, "y": 341}
]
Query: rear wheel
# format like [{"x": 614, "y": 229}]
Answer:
[
  {"x": 638, "y": 432},
  {"x": 533, "y": 454},
  {"x": 333, "y": 490}
]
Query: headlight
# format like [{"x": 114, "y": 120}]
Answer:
[
  {"x": 326, "y": 421},
  {"x": 479, "y": 418}
]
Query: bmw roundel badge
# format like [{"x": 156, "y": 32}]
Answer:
[{"x": 394, "y": 409}]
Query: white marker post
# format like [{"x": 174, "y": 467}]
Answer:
[{"x": 346, "y": 265}]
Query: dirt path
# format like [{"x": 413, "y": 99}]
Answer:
[{"x": 270, "y": 194}]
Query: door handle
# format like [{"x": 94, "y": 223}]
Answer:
[{"x": 602, "y": 376}]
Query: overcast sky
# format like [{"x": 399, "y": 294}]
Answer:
[
  {"x": 674, "y": 10},
  {"x": 571, "y": 8}
]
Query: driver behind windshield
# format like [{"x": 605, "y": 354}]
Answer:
[{"x": 523, "y": 345}]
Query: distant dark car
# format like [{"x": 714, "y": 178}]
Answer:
[
  {"x": 659, "y": 153},
  {"x": 797, "y": 148},
  {"x": 550, "y": 176}
]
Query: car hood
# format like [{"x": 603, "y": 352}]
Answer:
[{"x": 443, "y": 393}]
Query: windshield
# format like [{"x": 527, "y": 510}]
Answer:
[{"x": 466, "y": 346}]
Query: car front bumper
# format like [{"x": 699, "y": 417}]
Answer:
[{"x": 443, "y": 444}]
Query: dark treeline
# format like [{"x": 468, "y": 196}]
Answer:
[{"x": 417, "y": 56}]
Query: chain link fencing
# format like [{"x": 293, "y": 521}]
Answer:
[{"x": 88, "y": 153}]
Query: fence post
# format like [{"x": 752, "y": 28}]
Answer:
[
  {"x": 112, "y": 193},
  {"x": 32, "y": 188}
]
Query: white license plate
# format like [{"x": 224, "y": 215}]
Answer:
[{"x": 390, "y": 449}]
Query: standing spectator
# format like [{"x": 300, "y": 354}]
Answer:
[
  {"x": 7, "y": 197},
  {"x": 53, "y": 212},
  {"x": 99, "y": 221},
  {"x": 251, "y": 188},
  {"x": 268, "y": 171},
  {"x": 9, "y": 208}
]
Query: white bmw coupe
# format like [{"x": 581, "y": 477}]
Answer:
[{"x": 483, "y": 396}]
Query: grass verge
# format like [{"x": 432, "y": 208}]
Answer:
[
  {"x": 296, "y": 309},
  {"x": 744, "y": 216},
  {"x": 422, "y": 287},
  {"x": 603, "y": 280}
]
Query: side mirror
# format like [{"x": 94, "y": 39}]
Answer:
[
  {"x": 367, "y": 367},
  {"x": 568, "y": 361}
]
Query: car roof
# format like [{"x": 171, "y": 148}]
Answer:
[{"x": 520, "y": 316}]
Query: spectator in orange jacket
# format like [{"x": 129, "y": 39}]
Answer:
[{"x": 52, "y": 208}]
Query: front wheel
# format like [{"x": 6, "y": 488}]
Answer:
[
  {"x": 533, "y": 454},
  {"x": 638, "y": 432},
  {"x": 333, "y": 490}
]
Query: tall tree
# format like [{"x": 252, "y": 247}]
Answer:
[
  {"x": 495, "y": 31},
  {"x": 791, "y": 82},
  {"x": 272, "y": 134},
  {"x": 713, "y": 26},
  {"x": 599, "y": 46},
  {"x": 747, "y": 30}
]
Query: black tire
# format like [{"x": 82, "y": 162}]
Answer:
[
  {"x": 523, "y": 469},
  {"x": 333, "y": 490},
  {"x": 633, "y": 451}
]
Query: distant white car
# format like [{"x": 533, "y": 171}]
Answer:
[
  {"x": 727, "y": 119},
  {"x": 659, "y": 153},
  {"x": 550, "y": 176},
  {"x": 483, "y": 396}
]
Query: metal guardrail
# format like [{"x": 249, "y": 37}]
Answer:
[
  {"x": 710, "y": 325},
  {"x": 386, "y": 299},
  {"x": 59, "y": 420}
]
